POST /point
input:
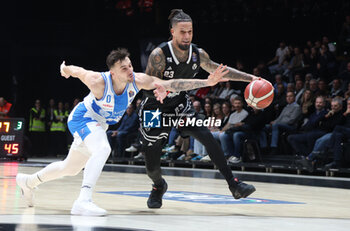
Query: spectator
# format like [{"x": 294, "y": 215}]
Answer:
[
  {"x": 322, "y": 89},
  {"x": 278, "y": 80},
  {"x": 307, "y": 104},
  {"x": 217, "y": 115},
  {"x": 198, "y": 107},
  {"x": 313, "y": 86},
  {"x": 331, "y": 47},
  {"x": 128, "y": 125},
  {"x": 336, "y": 88},
  {"x": 226, "y": 93},
  {"x": 297, "y": 76},
  {"x": 340, "y": 133},
  {"x": 223, "y": 113},
  {"x": 333, "y": 118},
  {"x": 58, "y": 129},
  {"x": 234, "y": 121},
  {"x": 5, "y": 108},
  {"x": 37, "y": 129},
  {"x": 291, "y": 87},
  {"x": 279, "y": 100},
  {"x": 299, "y": 90},
  {"x": 216, "y": 90},
  {"x": 308, "y": 78},
  {"x": 303, "y": 143},
  {"x": 327, "y": 63},
  {"x": 208, "y": 100},
  {"x": 281, "y": 55},
  {"x": 226, "y": 110},
  {"x": 296, "y": 64},
  {"x": 249, "y": 127},
  {"x": 208, "y": 110},
  {"x": 313, "y": 60},
  {"x": 286, "y": 121}
]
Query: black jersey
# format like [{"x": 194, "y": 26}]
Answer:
[{"x": 175, "y": 70}]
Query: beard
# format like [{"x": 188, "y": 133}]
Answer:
[{"x": 184, "y": 47}]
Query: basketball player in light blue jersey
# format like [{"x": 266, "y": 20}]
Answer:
[{"x": 111, "y": 93}]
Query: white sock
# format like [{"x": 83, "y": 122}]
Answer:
[
  {"x": 34, "y": 180},
  {"x": 85, "y": 193}
]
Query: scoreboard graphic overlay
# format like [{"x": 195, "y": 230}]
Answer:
[{"x": 11, "y": 137}]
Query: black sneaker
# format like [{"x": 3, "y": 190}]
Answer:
[
  {"x": 155, "y": 198},
  {"x": 306, "y": 163},
  {"x": 241, "y": 190},
  {"x": 332, "y": 165}
]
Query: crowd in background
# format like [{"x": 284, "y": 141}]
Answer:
[{"x": 309, "y": 115}]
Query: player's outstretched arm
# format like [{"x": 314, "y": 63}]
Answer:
[
  {"x": 161, "y": 87},
  {"x": 93, "y": 80},
  {"x": 233, "y": 74}
]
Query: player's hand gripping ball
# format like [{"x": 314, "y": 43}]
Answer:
[{"x": 259, "y": 94}]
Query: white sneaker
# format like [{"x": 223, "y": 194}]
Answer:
[
  {"x": 234, "y": 160},
  {"x": 87, "y": 208},
  {"x": 27, "y": 192},
  {"x": 131, "y": 149},
  {"x": 206, "y": 159},
  {"x": 139, "y": 156},
  {"x": 182, "y": 157},
  {"x": 171, "y": 149}
]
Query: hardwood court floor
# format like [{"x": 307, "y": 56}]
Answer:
[{"x": 190, "y": 204}]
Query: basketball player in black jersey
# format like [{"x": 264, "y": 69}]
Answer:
[{"x": 175, "y": 59}]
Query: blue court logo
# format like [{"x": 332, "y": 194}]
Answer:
[
  {"x": 203, "y": 198},
  {"x": 151, "y": 118}
]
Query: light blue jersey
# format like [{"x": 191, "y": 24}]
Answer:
[{"x": 106, "y": 111}]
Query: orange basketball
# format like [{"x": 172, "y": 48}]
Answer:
[{"x": 259, "y": 94}]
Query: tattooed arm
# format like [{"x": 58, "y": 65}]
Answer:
[
  {"x": 234, "y": 75},
  {"x": 156, "y": 63},
  {"x": 144, "y": 81}
]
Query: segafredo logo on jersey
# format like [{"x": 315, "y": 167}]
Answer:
[{"x": 155, "y": 119}]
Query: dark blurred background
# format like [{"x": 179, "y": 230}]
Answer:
[{"x": 38, "y": 35}]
